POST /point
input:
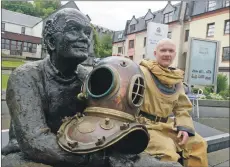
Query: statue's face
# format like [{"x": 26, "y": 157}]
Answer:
[{"x": 74, "y": 40}]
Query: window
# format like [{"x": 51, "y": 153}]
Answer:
[
  {"x": 169, "y": 34},
  {"x": 19, "y": 45},
  {"x": 5, "y": 44},
  {"x": 23, "y": 30},
  {"x": 168, "y": 17},
  {"x": 34, "y": 48},
  {"x": 25, "y": 44},
  {"x": 226, "y": 54},
  {"x": 29, "y": 47},
  {"x": 120, "y": 36},
  {"x": 3, "y": 26},
  {"x": 120, "y": 50},
  {"x": 13, "y": 45},
  {"x": 132, "y": 27},
  {"x": 211, "y": 5},
  {"x": 227, "y": 3},
  {"x": 147, "y": 21},
  {"x": 226, "y": 26},
  {"x": 144, "y": 41},
  {"x": 186, "y": 35},
  {"x": 131, "y": 44},
  {"x": 210, "y": 29}
]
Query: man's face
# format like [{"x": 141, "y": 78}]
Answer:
[
  {"x": 165, "y": 53},
  {"x": 74, "y": 41}
]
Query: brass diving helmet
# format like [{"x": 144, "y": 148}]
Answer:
[{"x": 114, "y": 91}]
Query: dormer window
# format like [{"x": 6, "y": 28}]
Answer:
[
  {"x": 120, "y": 36},
  {"x": 132, "y": 27},
  {"x": 147, "y": 21},
  {"x": 211, "y": 5},
  {"x": 168, "y": 17}
]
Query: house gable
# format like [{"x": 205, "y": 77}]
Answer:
[
  {"x": 169, "y": 8},
  {"x": 149, "y": 15},
  {"x": 133, "y": 21}
]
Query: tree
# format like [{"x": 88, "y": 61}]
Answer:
[
  {"x": 96, "y": 42},
  {"x": 37, "y": 8},
  {"x": 222, "y": 83},
  {"x": 22, "y": 7},
  {"x": 106, "y": 46}
]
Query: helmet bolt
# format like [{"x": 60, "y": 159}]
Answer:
[
  {"x": 72, "y": 144},
  {"x": 124, "y": 126},
  {"x": 100, "y": 141},
  {"x": 107, "y": 120}
]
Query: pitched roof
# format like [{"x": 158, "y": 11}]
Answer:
[
  {"x": 102, "y": 28},
  {"x": 118, "y": 36},
  {"x": 19, "y": 18},
  {"x": 157, "y": 18}
]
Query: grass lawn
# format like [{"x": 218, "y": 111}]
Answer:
[
  {"x": 4, "y": 80},
  {"x": 7, "y": 63}
]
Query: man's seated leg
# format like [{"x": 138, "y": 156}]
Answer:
[
  {"x": 162, "y": 146},
  {"x": 195, "y": 152},
  {"x": 18, "y": 160}
]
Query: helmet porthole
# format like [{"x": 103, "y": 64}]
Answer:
[{"x": 136, "y": 91}]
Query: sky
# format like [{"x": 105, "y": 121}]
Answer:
[{"x": 114, "y": 14}]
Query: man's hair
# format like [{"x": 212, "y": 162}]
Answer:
[{"x": 51, "y": 26}]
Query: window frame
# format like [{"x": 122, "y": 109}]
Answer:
[
  {"x": 131, "y": 47},
  {"x": 228, "y": 53},
  {"x": 120, "y": 50},
  {"x": 4, "y": 44},
  {"x": 23, "y": 30},
  {"x": 225, "y": 23},
  {"x": 186, "y": 36},
  {"x": 132, "y": 27},
  {"x": 207, "y": 33},
  {"x": 212, "y": 7},
  {"x": 145, "y": 38},
  {"x": 169, "y": 34},
  {"x": 168, "y": 14}
]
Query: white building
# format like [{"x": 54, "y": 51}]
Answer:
[{"x": 21, "y": 34}]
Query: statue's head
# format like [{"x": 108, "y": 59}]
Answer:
[{"x": 68, "y": 34}]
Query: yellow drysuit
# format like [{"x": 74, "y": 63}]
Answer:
[{"x": 163, "y": 136}]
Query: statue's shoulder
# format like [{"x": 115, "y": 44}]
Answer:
[{"x": 28, "y": 70}]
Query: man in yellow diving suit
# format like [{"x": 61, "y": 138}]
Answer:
[{"x": 164, "y": 95}]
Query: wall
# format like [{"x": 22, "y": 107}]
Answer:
[
  {"x": 33, "y": 55},
  {"x": 115, "y": 48},
  {"x": 17, "y": 28},
  {"x": 176, "y": 30},
  {"x": 5, "y": 51},
  {"x": 130, "y": 52},
  {"x": 198, "y": 28},
  {"x": 139, "y": 46},
  {"x": 37, "y": 30}
]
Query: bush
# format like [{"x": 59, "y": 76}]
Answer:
[
  {"x": 225, "y": 94},
  {"x": 207, "y": 90},
  {"x": 222, "y": 83},
  {"x": 214, "y": 96}
]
